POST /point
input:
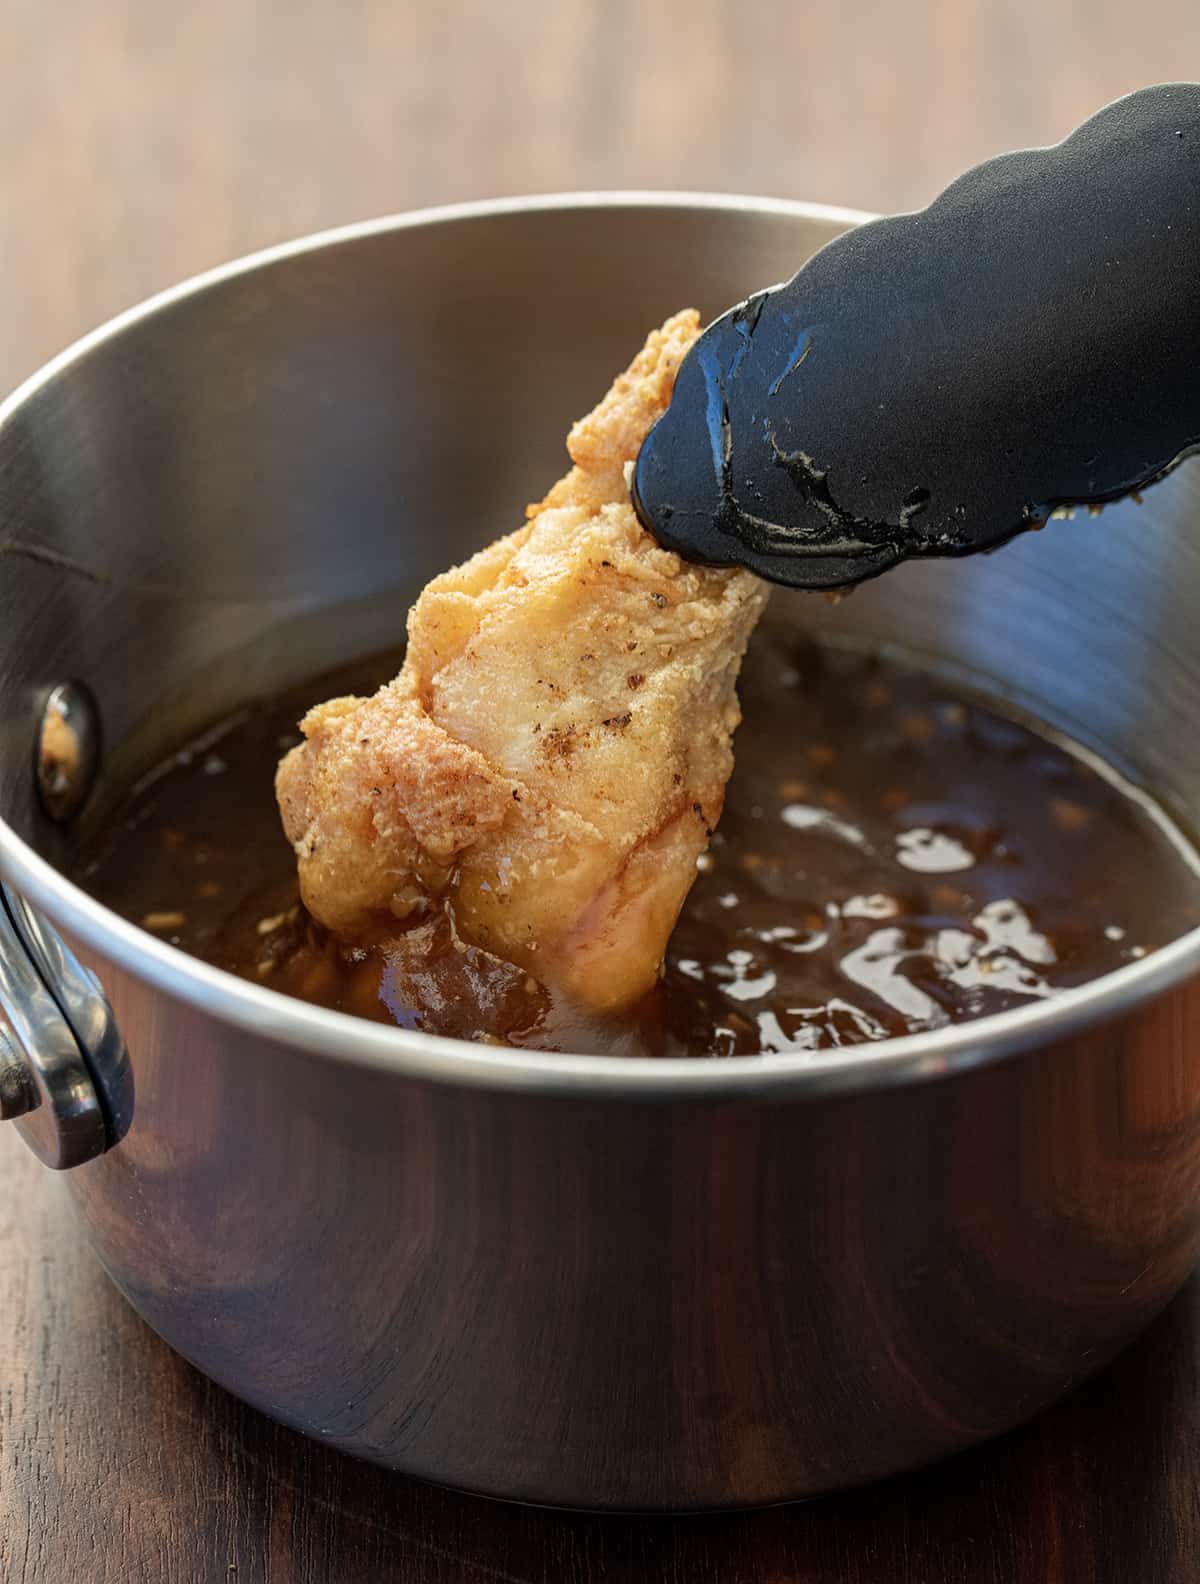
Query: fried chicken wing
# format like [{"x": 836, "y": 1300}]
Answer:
[{"x": 553, "y": 755}]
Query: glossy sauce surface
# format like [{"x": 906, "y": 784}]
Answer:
[{"x": 893, "y": 857}]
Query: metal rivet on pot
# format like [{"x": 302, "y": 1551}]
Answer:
[{"x": 67, "y": 750}]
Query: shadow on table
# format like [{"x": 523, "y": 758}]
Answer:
[{"x": 1099, "y": 1488}]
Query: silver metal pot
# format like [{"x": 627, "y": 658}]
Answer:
[{"x": 573, "y": 1280}]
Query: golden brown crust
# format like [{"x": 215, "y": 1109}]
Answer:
[
  {"x": 555, "y": 750},
  {"x": 602, "y": 442}
]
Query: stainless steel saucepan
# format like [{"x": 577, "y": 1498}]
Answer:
[{"x": 584, "y": 1280}]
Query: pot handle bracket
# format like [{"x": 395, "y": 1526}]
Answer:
[{"x": 64, "y": 1072}]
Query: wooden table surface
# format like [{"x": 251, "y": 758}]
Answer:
[{"x": 142, "y": 141}]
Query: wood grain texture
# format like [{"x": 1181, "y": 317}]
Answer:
[{"x": 142, "y": 142}]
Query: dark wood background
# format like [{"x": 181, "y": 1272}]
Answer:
[{"x": 141, "y": 141}]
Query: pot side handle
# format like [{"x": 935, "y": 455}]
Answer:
[{"x": 47, "y": 1084}]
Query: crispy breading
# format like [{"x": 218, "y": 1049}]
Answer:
[{"x": 553, "y": 755}]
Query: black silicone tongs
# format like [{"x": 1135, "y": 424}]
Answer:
[{"x": 933, "y": 383}]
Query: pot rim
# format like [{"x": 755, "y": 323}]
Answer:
[{"x": 341, "y": 1037}]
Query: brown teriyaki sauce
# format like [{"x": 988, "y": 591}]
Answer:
[{"x": 894, "y": 856}]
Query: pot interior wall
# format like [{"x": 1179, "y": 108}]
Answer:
[{"x": 250, "y": 483}]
